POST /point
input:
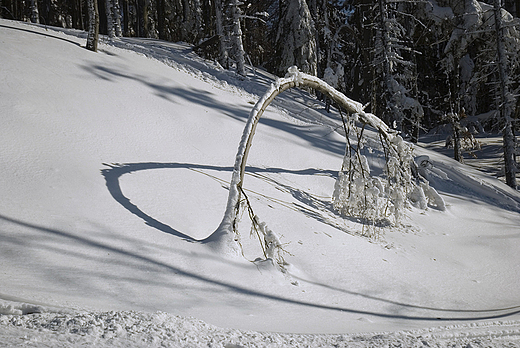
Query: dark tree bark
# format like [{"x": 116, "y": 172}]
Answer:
[
  {"x": 161, "y": 20},
  {"x": 505, "y": 103},
  {"x": 93, "y": 25}
]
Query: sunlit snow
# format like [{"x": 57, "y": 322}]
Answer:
[{"x": 116, "y": 165}]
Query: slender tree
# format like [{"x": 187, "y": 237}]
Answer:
[
  {"x": 35, "y": 16},
  {"x": 111, "y": 32},
  {"x": 236, "y": 38},
  {"x": 93, "y": 25},
  {"x": 219, "y": 23},
  {"x": 506, "y": 99},
  {"x": 113, "y": 18},
  {"x": 116, "y": 8}
]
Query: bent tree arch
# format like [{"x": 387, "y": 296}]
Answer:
[{"x": 226, "y": 238}]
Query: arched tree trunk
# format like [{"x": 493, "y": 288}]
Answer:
[{"x": 225, "y": 238}]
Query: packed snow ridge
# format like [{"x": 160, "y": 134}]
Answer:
[{"x": 137, "y": 329}]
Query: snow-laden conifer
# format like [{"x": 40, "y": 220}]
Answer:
[
  {"x": 296, "y": 38},
  {"x": 236, "y": 38}
]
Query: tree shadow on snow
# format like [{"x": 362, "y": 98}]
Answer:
[
  {"x": 310, "y": 206},
  {"x": 173, "y": 92},
  {"x": 85, "y": 245}
]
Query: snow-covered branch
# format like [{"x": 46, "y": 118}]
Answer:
[{"x": 226, "y": 236}]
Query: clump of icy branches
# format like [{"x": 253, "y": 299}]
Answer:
[
  {"x": 270, "y": 243},
  {"x": 379, "y": 195},
  {"x": 360, "y": 194}
]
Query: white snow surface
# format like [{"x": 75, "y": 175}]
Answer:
[{"x": 116, "y": 165}]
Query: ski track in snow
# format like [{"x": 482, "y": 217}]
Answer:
[{"x": 137, "y": 329}]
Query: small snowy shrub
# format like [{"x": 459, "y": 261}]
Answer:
[
  {"x": 427, "y": 172},
  {"x": 272, "y": 245}
]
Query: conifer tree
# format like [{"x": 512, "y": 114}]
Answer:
[
  {"x": 296, "y": 38},
  {"x": 236, "y": 38}
]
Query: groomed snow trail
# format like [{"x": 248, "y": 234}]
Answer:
[{"x": 137, "y": 329}]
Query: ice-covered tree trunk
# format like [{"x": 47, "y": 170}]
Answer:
[
  {"x": 505, "y": 100},
  {"x": 93, "y": 25},
  {"x": 117, "y": 18},
  {"x": 225, "y": 238},
  {"x": 236, "y": 38},
  {"x": 219, "y": 23},
  {"x": 35, "y": 16}
]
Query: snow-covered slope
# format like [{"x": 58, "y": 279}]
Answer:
[{"x": 116, "y": 164}]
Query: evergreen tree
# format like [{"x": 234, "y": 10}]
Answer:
[
  {"x": 221, "y": 33},
  {"x": 296, "y": 38}
]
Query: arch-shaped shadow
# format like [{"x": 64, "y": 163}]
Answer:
[{"x": 116, "y": 170}]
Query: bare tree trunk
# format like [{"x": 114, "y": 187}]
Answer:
[
  {"x": 93, "y": 25},
  {"x": 456, "y": 129},
  {"x": 161, "y": 20},
  {"x": 505, "y": 100},
  {"x": 127, "y": 25},
  {"x": 219, "y": 21},
  {"x": 35, "y": 16},
  {"x": 142, "y": 18},
  {"x": 116, "y": 8},
  {"x": 110, "y": 18}
]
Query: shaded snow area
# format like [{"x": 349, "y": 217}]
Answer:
[{"x": 116, "y": 168}]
